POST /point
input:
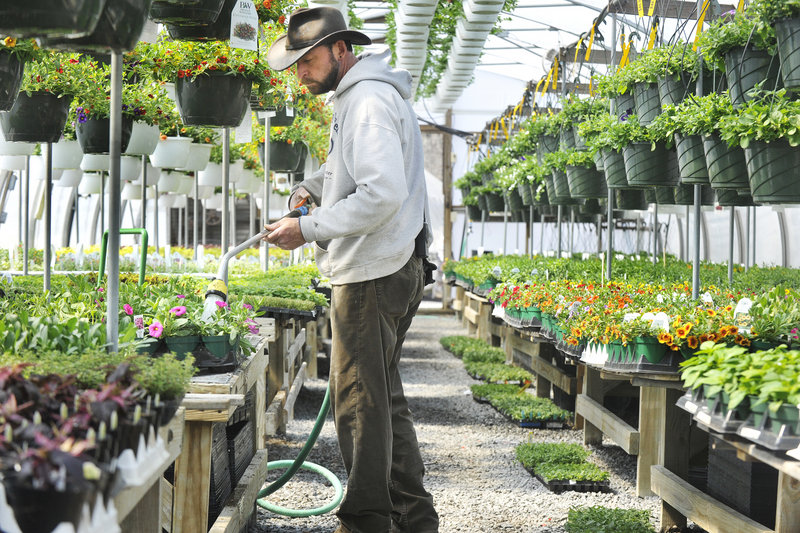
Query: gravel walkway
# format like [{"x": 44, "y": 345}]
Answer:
[{"x": 468, "y": 449}]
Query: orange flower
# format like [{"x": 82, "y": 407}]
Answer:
[
  {"x": 10, "y": 42},
  {"x": 681, "y": 332},
  {"x": 712, "y": 336},
  {"x": 711, "y": 312},
  {"x": 703, "y": 338},
  {"x": 692, "y": 342}
]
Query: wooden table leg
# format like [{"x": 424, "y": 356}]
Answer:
[
  {"x": 311, "y": 348},
  {"x": 193, "y": 479},
  {"x": 652, "y": 403},
  {"x": 675, "y": 451},
  {"x": 787, "y": 519},
  {"x": 592, "y": 388},
  {"x": 580, "y": 377}
]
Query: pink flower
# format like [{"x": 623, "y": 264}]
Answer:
[
  {"x": 100, "y": 289},
  {"x": 247, "y": 306},
  {"x": 221, "y": 304},
  {"x": 253, "y": 329},
  {"x": 178, "y": 310},
  {"x": 128, "y": 309},
  {"x": 155, "y": 329},
  {"x": 181, "y": 296}
]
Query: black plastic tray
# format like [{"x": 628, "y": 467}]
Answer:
[{"x": 559, "y": 486}]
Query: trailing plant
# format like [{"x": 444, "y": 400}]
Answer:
[
  {"x": 58, "y": 73},
  {"x": 598, "y": 518},
  {"x": 693, "y": 116},
  {"x": 678, "y": 60},
  {"x": 772, "y": 10},
  {"x": 770, "y": 116},
  {"x": 732, "y": 31},
  {"x": 24, "y": 49}
]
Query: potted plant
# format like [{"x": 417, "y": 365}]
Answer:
[
  {"x": 193, "y": 13},
  {"x": 645, "y": 156},
  {"x": 44, "y": 17},
  {"x": 573, "y": 112},
  {"x": 766, "y": 129},
  {"x": 584, "y": 180},
  {"x": 218, "y": 30},
  {"x": 672, "y": 124},
  {"x": 746, "y": 46},
  {"x": 13, "y": 55},
  {"x": 559, "y": 193},
  {"x": 617, "y": 88},
  {"x": 784, "y": 16}
]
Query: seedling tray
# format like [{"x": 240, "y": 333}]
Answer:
[
  {"x": 714, "y": 418},
  {"x": 667, "y": 365},
  {"x": 481, "y": 399},
  {"x": 561, "y": 485},
  {"x": 278, "y": 312},
  {"x": 535, "y": 424},
  {"x": 763, "y": 435}
]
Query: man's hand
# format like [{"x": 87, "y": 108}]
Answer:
[
  {"x": 298, "y": 196},
  {"x": 285, "y": 233}
]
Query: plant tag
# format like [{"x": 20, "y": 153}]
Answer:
[
  {"x": 691, "y": 407},
  {"x": 244, "y": 21},
  {"x": 535, "y": 273},
  {"x": 741, "y": 315},
  {"x": 498, "y": 311},
  {"x": 707, "y": 299},
  {"x": 703, "y": 417},
  {"x": 497, "y": 272},
  {"x": 515, "y": 270},
  {"x": 794, "y": 453},
  {"x": 138, "y": 321},
  {"x": 573, "y": 482},
  {"x": 244, "y": 131},
  {"x": 749, "y": 433},
  {"x": 554, "y": 425}
]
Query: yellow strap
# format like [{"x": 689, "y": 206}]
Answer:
[
  {"x": 505, "y": 130},
  {"x": 640, "y": 6},
  {"x": 740, "y": 7},
  {"x": 626, "y": 50},
  {"x": 653, "y": 34},
  {"x": 591, "y": 42},
  {"x": 577, "y": 49},
  {"x": 547, "y": 83},
  {"x": 652, "y": 8},
  {"x": 700, "y": 20},
  {"x": 478, "y": 145},
  {"x": 555, "y": 75},
  {"x": 591, "y": 85}
]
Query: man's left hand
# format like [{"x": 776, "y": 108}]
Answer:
[{"x": 285, "y": 233}]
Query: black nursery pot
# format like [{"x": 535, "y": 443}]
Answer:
[
  {"x": 219, "y": 30},
  {"x": 119, "y": 28},
  {"x": 40, "y": 511},
  {"x": 38, "y": 18},
  {"x": 213, "y": 99},
  {"x": 94, "y": 135},
  {"x": 198, "y": 13},
  {"x": 11, "y": 69},
  {"x": 38, "y": 118}
]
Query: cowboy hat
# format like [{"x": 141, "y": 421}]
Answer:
[{"x": 309, "y": 28}]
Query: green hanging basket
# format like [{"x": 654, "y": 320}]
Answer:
[
  {"x": 614, "y": 169},
  {"x": 513, "y": 200},
  {"x": 553, "y": 197},
  {"x": 546, "y": 145},
  {"x": 474, "y": 212},
  {"x": 731, "y": 197},
  {"x": 598, "y": 160},
  {"x": 591, "y": 206},
  {"x": 665, "y": 196},
  {"x": 580, "y": 142},
  {"x": 561, "y": 183},
  {"x": 788, "y": 33},
  {"x": 672, "y": 91},
  {"x": 524, "y": 191},
  {"x": 623, "y": 105},
  {"x": 494, "y": 202},
  {"x": 630, "y": 199},
  {"x": 684, "y": 195},
  {"x": 648, "y": 103},
  {"x": 691, "y": 159},
  {"x": 745, "y": 67},
  {"x": 566, "y": 139},
  {"x": 772, "y": 168},
  {"x": 650, "y": 195},
  {"x": 586, "y": 182},
  {"x": 726, "y": 164},
  {"x": 645, "y": 167}
]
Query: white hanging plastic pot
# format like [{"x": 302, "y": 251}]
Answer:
[
  {"x": 185, "y": 184},
  {"x": 144, "y": 139},
  {"x": 96, "y": 162},
  {"x": 67, "y": 154},
  {"x": 91, "y": 183},
  {"x": 70, "y": 178},
  {"x": 214, "y": 202},
  {"x": 236, "y": 170},
  {"x": 202, "y": 192},
  {"x": 130, "y": 168},
  {"x": 15, "y": 148},
  {"x": 169, "y": 181},
  {"x": 131, "y": 191},
  {"x": 178, "y": 201},
  {"x": 153, "y": 174},
  {"x": 166, "y": 201},
  {"x": 211, "y": 176},
  {"x": 12, "y": 162},
  {"x": 198, "y": 157},
  {"x": 38, "y": 170},
  {"x": 172, "y": 152}
]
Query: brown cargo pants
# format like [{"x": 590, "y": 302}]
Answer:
[{"x": 376, "y": 434}]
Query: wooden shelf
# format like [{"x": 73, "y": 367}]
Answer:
[{"x": 626, "y": 436}]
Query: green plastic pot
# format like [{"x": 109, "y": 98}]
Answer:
[
  {"x": 772, "y": 168},
  {"x": 591, "y": 206},
  {"x": 648, "y": 103},
  {"x": 546, "y": 145},
  {"x": 11, "y": 69},
  {"x": 788, "y": 34},
  {"x": 731, "y": 197},
  {"x": 474, "y": 212},
  {"x": 665, "y": 196},
  {"x": 566, "y": 139},
  {"x": 482, "y": 205},
  {"x": 650, "y": 348},
  {"x": 684, "y": 195},
  {"x": 623, "y": 105},
  {"x": 650, "y": 195},
  {"x": 495, "y": 202},
  {"x": 182, "y": 345},
  {"x": 580, "y": 142},
  {"x": 614, "y": 169},
  {"x": 585, "y": 182},
  {"x": 691, "y": 159},
  {"x": 645, "y": 167},
  {"x": 630, "y": 199},
  {"x": 513, "y": 200},
  {"x": 544, "y": 196},
  {"x": 561, "y": 183},
  {"x": 148, "y": 345},
  {"x": 39, "y": 18},
  {"x": 219, "y": 346},
  {"x": 219, "y": 30},
  {"x": 745, "y": 67},
  {"x": 285, "y": 157},
  {"x": 598, "y": 160},
  {"x": 672, "y": 90},
  {"x": 213, "y": 99},
  {"x": 36, "y": 118},
  {"x": 787, "y": 415},
  {"x": 524, "y": 191},
  {"x": 726, "y": 164}
]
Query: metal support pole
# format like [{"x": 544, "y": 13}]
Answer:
[
  {"x": 48, "y": 220},
  {"x": 696, "y": 260},
  {"x": 747, "y": 240},
  {"x": 483, "y": 227},
  {"x": 571, "y": 230},
  {"x": 27, "y": 242},
  {"x": 730, "y": 245},
  {"x": 505, "y": 227},
  {"x": 267, "y": 193},
  {"x": 155, "y": 215},
  {"x": 753, "y": 245},
  {"x": 251, "y": 230},
  {"x": 112, "y": 292},
  {"x": 233, "y": 214},
  {"x": 655, "y": 233},
  {"x": 530, "y": 254},
  {"x": 195, "y": 211},
  {"x": 610, "y": 228},
  {"x": 226, "y": 186},
  {"x": 186, "y": 223},
  {"x": 516, "y": 242},
  {"x": 77, "y": 218},
  {"x": 144, "y": 193},
  {"x": 541, "y": 234},
  {"x": 558, "y": 230},
  {"x": 180, "y": 228},
  {"x": 687, "y": 235},
  {"x": 203, "y": 208},
  {"x": 102, "y": 203}
]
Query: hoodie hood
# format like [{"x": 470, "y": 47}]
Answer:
[{"x": 372, "y": 66}]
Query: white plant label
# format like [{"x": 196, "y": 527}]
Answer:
[
  {"x": 244, "y": 26},
  {"x": 138, "y": 321},
  {"x": 629, "y": 317},
  {"x": 741, "y": 315}
]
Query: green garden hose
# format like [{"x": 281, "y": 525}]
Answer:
[{"x": 298, "y": 463}]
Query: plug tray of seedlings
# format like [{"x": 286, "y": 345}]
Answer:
[
  {"x": 558, "y": 486},
  {"x": 711, "y": 413},
  {"x": 535, "y": 424},
  {"x": 770, "y": 432}
]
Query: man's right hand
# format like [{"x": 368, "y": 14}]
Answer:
[{"x": 298, "y": 196}]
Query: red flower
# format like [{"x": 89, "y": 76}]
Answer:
[
  {"x": 281, "y": 19},
  {"x": 181, "y": 73},
  {"x": 273, "y": 81},
  {"x": 222, "y": 59},
  {"x": 241, "y": 68}
]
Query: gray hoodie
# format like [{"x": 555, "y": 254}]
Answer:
[{"x": 371, "y": 191}]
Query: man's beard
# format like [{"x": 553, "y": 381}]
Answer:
[{"x": 328, "y": 82}]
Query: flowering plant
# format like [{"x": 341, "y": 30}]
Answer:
[
  {"x": 55, "y": 72},
  {"x": 24, "y": 49},
  {"x": 276, "y": 11}
]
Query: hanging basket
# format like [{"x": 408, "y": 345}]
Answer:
[
  {"x": 38, "y": 18},
  {"x": 524, "y": 190},
  {"x": 648, "y": 103},
  {"x": 623, "y": 105},
  {"x": 732, "y": 198},
  {"x": 586, "y": 182},
  {"x": 36, "y": 118},
  {"x": 614, "y": 169},
  {"x": 672, "y": 91},
  {"x": 219, "y": 30},
  {"x": 597, "y": 155},
  {"x": 282, "y": 117},
  {"x": 691, "y": 159},
  {"x": 665, "y": 196},
  {"x": 197, "y": 13},
  {"x": 213, "y": 99},
  {"x": 788, "y": 33},
  {"x": 284, "y": 157},
  {"x": 772, "y": 168},
  {"x": 144, "y": 139},
  {"x": 591, "y": 206},
  {"x": 495, "y": 202},
  {"x": 474, "y": 212},
  {"x": 172, "y": 152},
  {"x": 645, "y": 167},
  {"x": 630, "y": 199},
  {"x": 94, "y": 134},
  {"x": 580, "y": 142},
  {"x": 566, "y": 139},
  {"x": 67, "y": 154},
  {"x": 561, "y": 184},
  {"x": 547, "y": 144},
  {"x": 684, "y": 195},
  {"x": 558, "y": 189},
  {"x": 726, "y": 164},
  {"x": 745, "y": 67},
  {"x": 119, "y": 28},
  {"x": 513, "y": 200},
  {"x": 11, "y": 69}
]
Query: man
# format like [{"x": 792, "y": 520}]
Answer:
[{"x": 372, "y": 202}]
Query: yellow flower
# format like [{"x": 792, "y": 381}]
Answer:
[{"x": 10, "y": 42}]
